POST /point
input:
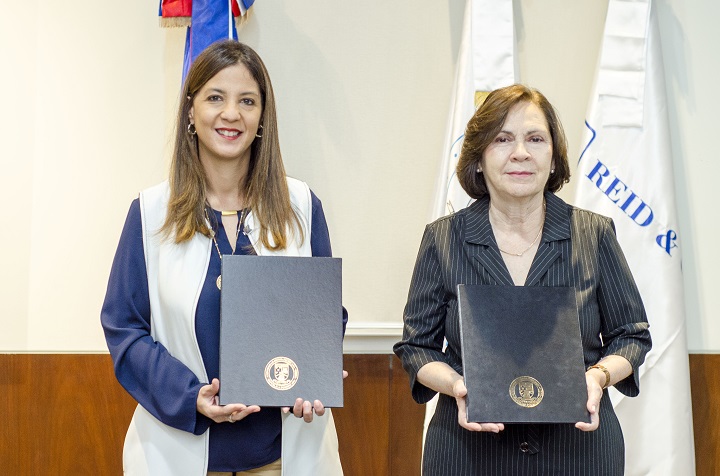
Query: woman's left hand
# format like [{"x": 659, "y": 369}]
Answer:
[
  {"x": 595, "y": 392},
  {"x": 460, "y": 392},
  {"x": 304, "y": 408}
]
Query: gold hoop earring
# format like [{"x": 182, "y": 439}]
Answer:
[
  {"x": 260, "y": 129},
  {"x": 191, "y": 129}
]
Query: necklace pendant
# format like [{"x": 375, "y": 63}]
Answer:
[{"x": 218, "y": 282}]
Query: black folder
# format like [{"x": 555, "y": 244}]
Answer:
[
  {"x": 522, "y": 354},
  {"x": 281, "y": 330}
]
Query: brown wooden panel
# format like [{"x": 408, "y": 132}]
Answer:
[
  {"x": 380, "y": 427},
  {"x": 705, "y": 388},
  {"x": 362, "y": 424},
  {"x": 89, "y": 413},
  {"x": 15, "y": 440},
  {"x": 67, "y": 415},
  {"x": 406, "y": 424}
]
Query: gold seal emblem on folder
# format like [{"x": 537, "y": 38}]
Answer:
[
  {"x": 281, "y": 373},
  {"x": 526, "y": 391}
]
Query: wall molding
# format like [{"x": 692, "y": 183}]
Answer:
[{"x": 368, "y": 337}]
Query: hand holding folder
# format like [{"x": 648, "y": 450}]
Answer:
[
  {"x": 522, "y": 354},
  {"x": 281, "y": 332}
]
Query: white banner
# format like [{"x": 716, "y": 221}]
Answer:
[
  {"x": 486, "y": 61},
  {"x": 626, "y": 172}
]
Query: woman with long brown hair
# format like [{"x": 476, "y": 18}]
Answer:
[{"x": 227, "y": 194}]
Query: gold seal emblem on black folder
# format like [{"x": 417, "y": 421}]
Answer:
[
  {"x": 526, "y": 391},
  {"x": 281, "y": 373}
]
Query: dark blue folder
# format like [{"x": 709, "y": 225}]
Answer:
[
  {"x": 522, "y": 354},
  {"x": 281, "y": 330}
]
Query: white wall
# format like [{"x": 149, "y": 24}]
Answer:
[
  {"x": 363, "y": 92},
  {"x": 690, "y": 40}
]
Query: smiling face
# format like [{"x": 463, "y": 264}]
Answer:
[
  {"x": 226, "y": 113},
  {"x": 517, "y": 163}
]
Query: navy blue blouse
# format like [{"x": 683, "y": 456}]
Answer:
[{"x": 162, "y": 384}]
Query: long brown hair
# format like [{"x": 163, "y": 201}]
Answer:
[
  {"x": 487, "y": 122},
  {"x": 266, "y": 190}
]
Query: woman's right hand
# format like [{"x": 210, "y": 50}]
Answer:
[
  {"x": 207, "y": 404},
  {"x": 459, "y": 392}
]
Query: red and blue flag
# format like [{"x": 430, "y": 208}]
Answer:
[{"x": 207, "y": 21}]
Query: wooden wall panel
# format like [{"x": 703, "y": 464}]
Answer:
[
  {"x": 362, "y": 424},
  {"x": 66, "y": 414},
  {"x": 406, "y": 424},
  {"x": 705, "y": 388},
  {"x": 380, "y": 427},
  {"x": 14, "y": 402}
]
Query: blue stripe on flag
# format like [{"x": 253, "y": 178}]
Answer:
[{"x": 211, "y": 20}]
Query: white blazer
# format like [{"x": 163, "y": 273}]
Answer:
[{"x": 176, "y": 274}]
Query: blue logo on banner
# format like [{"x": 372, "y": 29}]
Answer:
[
  {"x": 592, "y": 139},
  {"x": 667, "y": 241},
  {"x": 616, "y": 190},
  {"x": 620, "y": 194}
]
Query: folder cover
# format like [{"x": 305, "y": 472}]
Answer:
[
  {"x": 281, "y": 330},
  {"x": 522, "y": 354}
]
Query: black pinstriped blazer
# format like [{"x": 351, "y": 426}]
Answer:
[{"x": 579, "y": 249}]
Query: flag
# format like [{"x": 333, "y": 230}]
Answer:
[
  {"x": 207, "y": 21},
  {"x": 486, "y": 61},
  {"x": 625, "y": 172}
]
